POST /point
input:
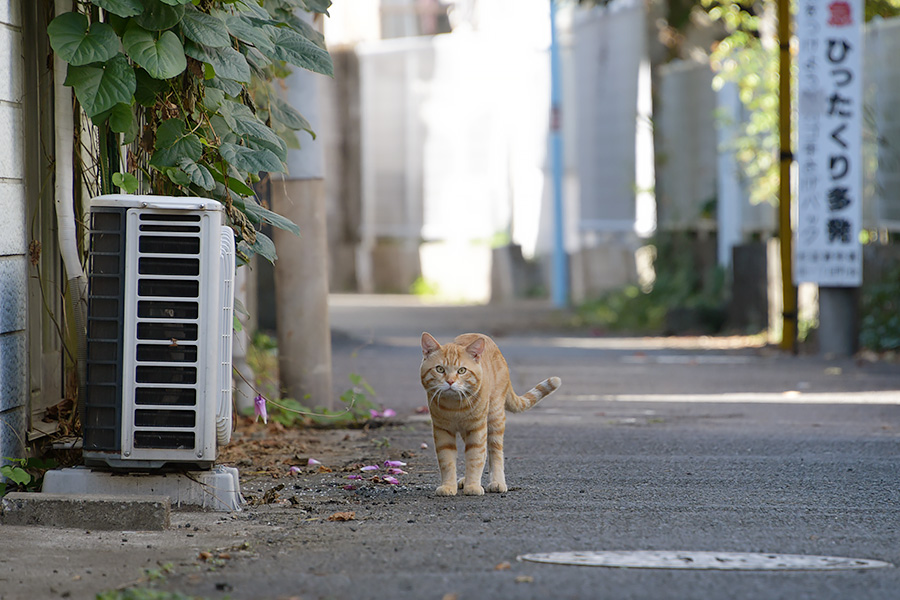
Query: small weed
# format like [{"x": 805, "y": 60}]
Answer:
[{"x": 24, "y": 474}]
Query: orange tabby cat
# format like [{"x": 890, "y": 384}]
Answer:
[{"x": 469, "y": 392}]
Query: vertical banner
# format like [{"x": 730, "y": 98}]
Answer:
[{"x": 829, "y": 150}]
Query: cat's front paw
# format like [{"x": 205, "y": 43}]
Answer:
[
  {"x": 473, "y": 490},
  {"x": 499, "y": 488},
  {"x": 445, "y": 490}
]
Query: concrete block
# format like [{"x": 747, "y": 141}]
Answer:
[
  {"x": 90, "y": 512},
  {"x": 12, "y": 431},
  {"x": 218, "y": 489},
  {"x": 12, "y": 207},
  {"x": 11, "y": 12},
  {"x": 12, "y": 164},
  {"x": 11, "y": 63},
  {"x": 13, "y": 372},
  {"x": 13, "y": 293}
]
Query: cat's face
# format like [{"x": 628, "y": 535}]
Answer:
[{"x": 450, "y": 370}]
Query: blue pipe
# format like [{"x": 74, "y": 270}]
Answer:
[{"x": 560, "y": 281}]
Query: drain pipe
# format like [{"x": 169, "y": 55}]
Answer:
[{"x": 64, "y": 196}]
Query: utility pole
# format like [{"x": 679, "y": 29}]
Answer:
[
  {"x": 560, "y": 286},
  {"x": 785, "y": 231},
  {"x": 301, "y": 271}
]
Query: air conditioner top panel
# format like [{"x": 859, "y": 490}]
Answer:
[{"x": 157, "y": 202}]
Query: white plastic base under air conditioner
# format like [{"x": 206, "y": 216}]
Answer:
[{"x": 218, "y": 489}]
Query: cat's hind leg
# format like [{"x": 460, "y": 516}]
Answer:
[{"x": 495, "y": 458}]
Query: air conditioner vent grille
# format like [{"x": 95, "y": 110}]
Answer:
[
  {"x": 106, "y": 283},
  {"x": 165, "y": 440},
  {"x": 158, "y": 244}
]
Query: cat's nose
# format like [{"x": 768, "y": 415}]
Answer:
[{"x": 450, "y": 381}]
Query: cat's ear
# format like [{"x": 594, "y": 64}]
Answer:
[
  {"x": 476, "y": 348},
  {"x": 429, "y": 344}
]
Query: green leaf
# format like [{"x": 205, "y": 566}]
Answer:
[
  {"x": 319, "y": 6},
  {"x": 204, "y": 29},
  {"x": 251, "y": 160},
  {"x": 79, "y": 44},
  {"x": 231, "y": 88},
  {"x": 158, "y": 16},
  {"x": 173, "y": 143},
  {"x": 289, "y": 116},
  {"x": 162, "y": 57},
  {"x": 260, "y": 214},
  {"x": 178, "y": 177},
  {"x": 126, "y": 181},
  {"x": 17, "y": 474},
  {"x": 176, "y": 2},
  {"x": 101, "y": 86},
  {"x": 243, "y": 122},
  {"x": 198, "y": 174},
  {"x": 292, "y": 47},
  {"x": 147, "y": 88},
  {"x": 256, "y": 32},
  {"x": 122, "y": 8},
  {"x": 121, "y": 117},
  {"x": 235, "y": 185},
  {"x": 265, "y": 247},
  {"x": 227, "y": 63}
]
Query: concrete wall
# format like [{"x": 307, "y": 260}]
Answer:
[{"x": 13, "y": 244}]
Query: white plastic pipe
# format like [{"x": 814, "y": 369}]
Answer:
[
  {"x": 64, "y": 192},
  {"x": 64, "y": 197}
]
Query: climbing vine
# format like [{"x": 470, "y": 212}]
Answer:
[{"x": 186, "y": 87}]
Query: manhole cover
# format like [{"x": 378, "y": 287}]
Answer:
[{"x": 728, "y": 561}]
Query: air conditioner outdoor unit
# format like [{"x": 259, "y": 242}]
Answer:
[{"x": 161, "y": 276}]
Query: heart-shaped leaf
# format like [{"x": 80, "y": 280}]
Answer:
[
  {"x": 292, "y": 47},
  {"x": 227, "y": 63},
  {"x": 147, "y": 88},
  {"x": 122, "y": 8},
  {"x": 255, "y": 32},
  {"x": 101, "y": 86},
  {"x": 126, "y": 181},
  {"x": 198, "y": 174},
  {"x": 289, "y": 116},
  {"x": 78, "y": 43},
  {"x": 174, "y": 143},
  {"x": 204, "y": 29},
  {"x": 251, "y": 160},
  {"x": 158, "y": 16},
  {"x": 265, "y": 247},
  {"x": 160, "y": 55}
]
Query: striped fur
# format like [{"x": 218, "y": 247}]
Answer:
[{"x": 468, "y": 390}]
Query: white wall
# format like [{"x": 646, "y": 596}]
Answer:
[{"x": 13, "y": 244}]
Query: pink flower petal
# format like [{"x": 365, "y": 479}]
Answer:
[
  {"x": 394, "y": 471},
  {"x": 369, "y": 468},
  {"x": 375, "y": 414},
  {"x": 313, "y": 461},
  {"x": 295, "y": 470},
  {"x": 390, "y": 480},
  {"x": 350, "y": 487},
  {"x": 354, "y": 476},
  {"x": 424, "y": 446},
  {"x": 259, "y": 407},
  {"x": 394, "y": 463},
  {"x": 388, "y": 412}
]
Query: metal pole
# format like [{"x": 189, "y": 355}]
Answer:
[
  {"x": 560, "y": 286},
  {"x": 788, "y": 291}
]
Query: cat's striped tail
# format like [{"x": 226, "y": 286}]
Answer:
[{"x": 516, "y": 403}]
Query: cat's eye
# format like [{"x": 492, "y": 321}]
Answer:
[
  {"x": 439, "y": 369},
  {"x": 461, "y": 370}
]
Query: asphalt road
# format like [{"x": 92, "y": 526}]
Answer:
[{"x": 650, "y": 444}]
